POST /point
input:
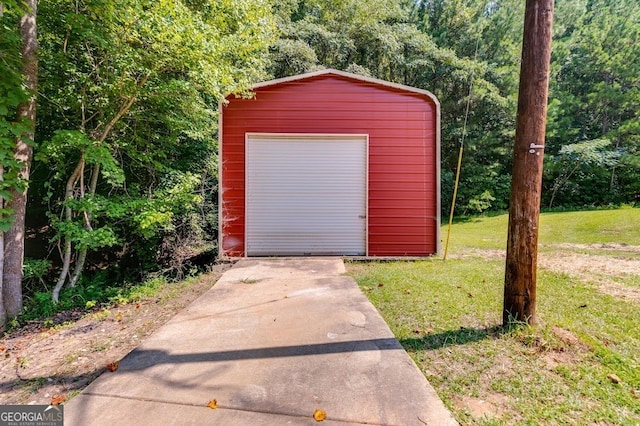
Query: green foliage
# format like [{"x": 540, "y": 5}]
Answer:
[
  {"x": 149, "y": 216},
  {"x": 64, "y": 144},
  {"x": 590, "y": 152},
  {"x": 88, "y": 295},
  {"x": 35, "y": 268},
  {"x": 132, "y": 92},
  {"x": 34, "y": 274},
  {"x": 578, "y": 162},
  {"x": 481, "y": 203},
  {"x": 595, "y": 96}
]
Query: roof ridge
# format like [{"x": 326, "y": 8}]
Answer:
[{"x": 330, "y": 71}]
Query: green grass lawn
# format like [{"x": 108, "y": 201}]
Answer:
[{"x": 447, "y": 316}]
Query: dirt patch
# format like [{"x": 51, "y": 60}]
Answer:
[
  {"x": 489, "y": 254},
  {"x": 569, "y": 352},
  {"x": 576, "y": 263},
  {"x": 37, "y": 362},
  {"x": 597, "y": 268},
  {"x": 555, "y": 359},
  {"x": 620, "y": 291},
  {"x": 492, "y": 406},
  {"x": 606, "y": 247},
  {"x": 566, "y": 336}
]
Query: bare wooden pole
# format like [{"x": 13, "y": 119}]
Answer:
[{"x": 526, "y": 181}]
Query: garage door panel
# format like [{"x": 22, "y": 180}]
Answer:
[{"x": 306, "y": 195}]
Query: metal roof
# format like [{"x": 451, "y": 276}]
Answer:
[{"x": 330, "y": 71}]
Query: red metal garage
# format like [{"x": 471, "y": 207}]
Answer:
[{"x": 330, "y": 163}]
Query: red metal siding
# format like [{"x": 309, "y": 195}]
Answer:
[{"x": 402, "y": 216}]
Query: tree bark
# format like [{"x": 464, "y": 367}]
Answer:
[
  {"x": 82, "y": 255},
  {"x": 526, "y": 183},
  {"x": 68, "y": 216},
  {"x": 26, "y": 112},
  {"x": 612, "y": 181},
  {"x": 3, "y": 312}
]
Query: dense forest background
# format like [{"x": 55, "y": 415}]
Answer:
[{"x": 123, "y": 180}]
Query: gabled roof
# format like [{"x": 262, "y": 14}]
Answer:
[{"x": 330, "y": 71}]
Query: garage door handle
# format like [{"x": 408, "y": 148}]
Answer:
[{"x": 362, "y": 216}]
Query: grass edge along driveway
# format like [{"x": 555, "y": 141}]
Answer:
[{"x": 580, "y": 366}]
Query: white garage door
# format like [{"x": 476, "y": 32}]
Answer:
[{"x": 306, "y": 195}]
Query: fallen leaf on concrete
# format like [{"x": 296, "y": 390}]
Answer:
[
  {"x": 57, "y": 399},
  {"x": 213, "y": 404},
  {"x": 112, "y": 366},
  {"x": 614, "y": 378},
  {"x": 319, "y": 415}
]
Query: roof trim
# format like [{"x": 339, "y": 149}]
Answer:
[{"x": 331, "y": 71}]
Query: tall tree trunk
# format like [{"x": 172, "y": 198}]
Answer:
[
  {"x": 26, "y": 112},
  {"x": 612, "y": 181},
  {"x": 3, "y": 312}
]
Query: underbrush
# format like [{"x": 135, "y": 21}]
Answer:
[{"x": 90, "y": 294}]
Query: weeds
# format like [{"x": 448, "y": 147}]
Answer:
[{"x": 85, "y": 297}]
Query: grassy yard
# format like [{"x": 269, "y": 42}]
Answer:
[{"x": 580, "y": 366}]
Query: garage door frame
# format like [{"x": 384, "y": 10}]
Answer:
[{"x": 315, "y": 136}]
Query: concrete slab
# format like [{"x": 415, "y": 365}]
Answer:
[{"x": 271, "y": 342}]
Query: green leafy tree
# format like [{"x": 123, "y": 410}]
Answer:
[
  {"x": 482, "y": 41},
  {"x": 579, "y": 160},
  {"x": 132, "y": 88},
  {"x": 596, "y": 96}
]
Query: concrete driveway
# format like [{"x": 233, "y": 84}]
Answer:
[{"x": 272, "y": 342}]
